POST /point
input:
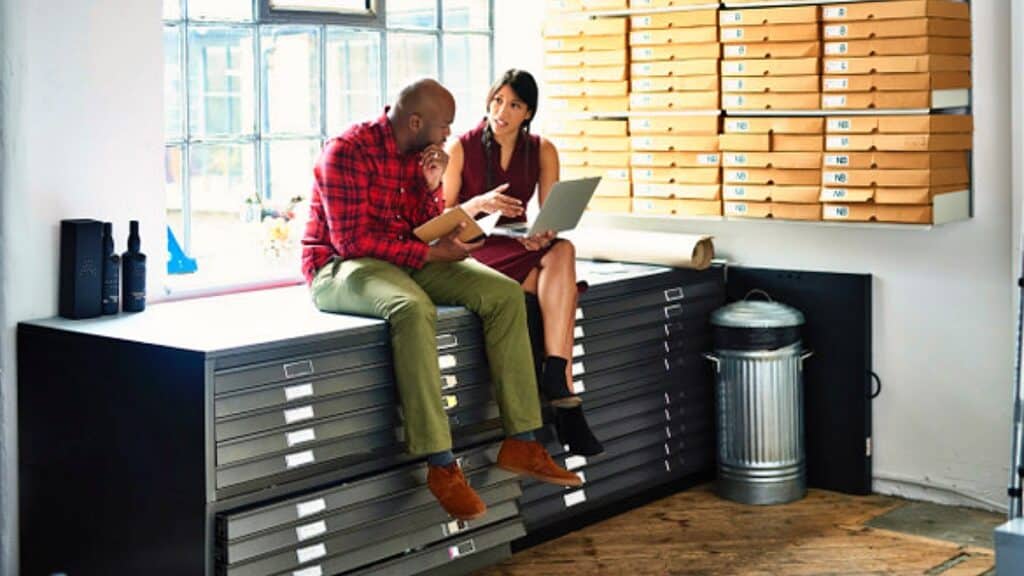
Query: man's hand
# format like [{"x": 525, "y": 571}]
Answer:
[
  {"x": 450, "y": 249},
  {"x": 537, "y": 241},
  {"x": 495, "y": 201},
  {"x": 433, "y": 161}
]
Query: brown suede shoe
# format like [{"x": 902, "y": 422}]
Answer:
[
  {"x": 449, "y": 486},
  {"x": 531, "y": 459}
]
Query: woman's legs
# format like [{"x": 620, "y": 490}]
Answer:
[{"x": 554, "y": 283}]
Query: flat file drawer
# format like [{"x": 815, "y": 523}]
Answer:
[
  {"x": 695, "y": 314},
  {"x": 614, "y": 279},
  {"x": 592, "y": 307},
  {"x": 465, "y": 376},
  {"x": 451, "y": 400},
  {"x": 591, "y": 361},
  {"x": 298, "y": 368},
  {"x": 471, "y": 415},
  {"x": 612, "y": 381},
  {"x": 672, "y": 333},
  {"x": 460, "y": 357}
]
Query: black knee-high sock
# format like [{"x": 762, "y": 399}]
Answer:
[{"x": 553, "y": 380}]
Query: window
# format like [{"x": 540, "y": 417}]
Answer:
[{"x": 251, "y": 94}]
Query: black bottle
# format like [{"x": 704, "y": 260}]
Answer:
[
  {"x": 133, "y": 275},
  {"x": 111, "y": 272}
]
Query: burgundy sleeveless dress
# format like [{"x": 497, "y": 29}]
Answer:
[{"x": 504, "y": 254}]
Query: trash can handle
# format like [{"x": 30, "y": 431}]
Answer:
[
  {"x": 715, "y": 359},
  {"x": 759, "y": 291},
  {"x": 804, "y": 356}
]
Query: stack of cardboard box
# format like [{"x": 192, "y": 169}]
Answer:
[
  {"x": 676, "y": 165},
  {"x": 910, "y": 169},
  {"x": 674, "y": 61},
  {"x": 586, "y": 64},
  {"x": 772, "y": 167},
  {"x": 908, "y": 54},
  {"x": 589, "y": 148},
  {"x": 771, "y": 58}
]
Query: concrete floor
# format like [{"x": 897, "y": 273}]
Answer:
[{"x": 964, "y": 526}]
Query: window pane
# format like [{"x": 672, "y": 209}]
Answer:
[
  {"x": 467, "y": 66},
  {"x": 466, "y": 14},
  {"x": 172, "y": 9},
  {"x": 342, "y": 6},
  {"x": 220, "y": 10},
  {"x": 353, "y": 77},
  {"x": 288, "y": 170},
  {"x": 221, "y": 80},
  {"x": 173, "y": 188},
  {"x": 221, "y": 181},
  {"x": 411, "y": 14},
  {"x": 173, "y": 97},
  {"x": 410, "y": 56},
  {"x": 290, "y": 64}
]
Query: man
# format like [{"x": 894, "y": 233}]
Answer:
[{"x": 373, "y": 185}]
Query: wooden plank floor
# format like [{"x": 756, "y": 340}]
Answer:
[{"x": 695, "y": 532}]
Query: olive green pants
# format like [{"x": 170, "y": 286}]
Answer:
[{"x": 406, "y": 299}]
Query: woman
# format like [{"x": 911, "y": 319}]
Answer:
[{"x": 496, "y": 167}]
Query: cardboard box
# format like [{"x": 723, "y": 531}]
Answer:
[
  {"x": 877, "y": 213},
  {"x": 666, "y": 3},
  {"x": 899, "y": 142},
  {"x": 914, "y": 195},
  {"x": 791, "y": 101},
  {"x": 686, "y": 19},
  {"x": 586, "y": 74},
  {"x": 900, "y": 9},
  {"x": 586, "y": 44},
  {"x": 774, "y": 210},
  {"x": 586, "y": 128},
  {"x": 610, "y": 205},
  {"x": 654, "y": 143},
  {"x": 756, "y": 193},
  {"x": 575, "y": 59},
  {"x": 577, "y": 172},
  {"x": 675, "y": 68},
  {"x": 899, "y": 46},
  {"x": 771, "y": 67},
  {"x": 586, "y": 5},
  {"x": 584, "y": 89},
  {"x": 702, "y": 35},
  {"x": 674, "y": 101},
  {"x": 674, "y": 207},
  {"x": 688, "y": 191},
  {"x": 765, "y": 16},
  {"x": 848, "y": 194},
  {"x": 921, "y": 81},
  {"x": 895, "y": 64},
  {"x": 773, "y": 176},
  {"x": 772, "y": 84},
  {"x": 896, "y": 178},
  {"x": 567, "y": 27},
  {"x": 590, "y": 143},
  {"x": 779, "y": 125},
  {"x": 910, "y": 124},
  {"x": 711, "y": 50},
  {"x": 677, "y": 175},
  {"x": 772, "y": 50},
  {"x": 897, "y": 29},
  {"x": 676, "y": 159},
  {"x": 797, "y": 143},
  {"x": 613, "y": 189},
  {"x": 787, "y": 160},
  {"x": 774, "y": 33},
  {"x": 934, "y": 99},
  {"x": 707, "y": 83},
  {"x": 639, "y": 125},
  {"x": 894, "y": 160},
  {"x": 607, "y": 159},
  {"x": 596, "y": 105},
  {"x": 745, "y": 142}
]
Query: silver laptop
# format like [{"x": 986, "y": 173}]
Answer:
[{"x": 561, "y": 211}]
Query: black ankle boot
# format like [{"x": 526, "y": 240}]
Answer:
[
  {"x": 552, "y": 384},
  {"x": 574, "y": 431}
]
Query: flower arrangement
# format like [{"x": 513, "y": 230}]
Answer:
[{"x": 277, "y": 222}]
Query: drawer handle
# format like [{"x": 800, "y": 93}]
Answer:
[
  {"x": 574, "y": 462},
  {"x": 299, "y": 459},
  {"x": 311, "y": 530},
  {"x": 578, "y": 368},
  {"x": 449, "y": 381},
  {"x": 673, "y": 310},
  {"x": 446, "y": 361},
  {"x": 293, "y": 393},
  {"x": 673, "y": 294},
  {"x": 300, "y": 436},
  {"x": 447, "y": 341},
  {"x": 461, "y": 549},
  {"x": 578, "y": 350},
  {"x": 579, "y": 313},
  {"x": 298, "y": 369},
  {"x": 577, "y": 332},
  {"x": 454, "y": 527},
  {"x": 311, "y": 571},
  {"x": 311, "y": 553},
  {"x": 578, "y": 386},
  {"x": 449, "y": 401},
  {"x": 304, "y": 509},
  {"x": 298, "y": 414},
  {"x": 573, "y": 498}
]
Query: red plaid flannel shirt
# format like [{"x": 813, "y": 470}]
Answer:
[{"x": 367, "y": 198}]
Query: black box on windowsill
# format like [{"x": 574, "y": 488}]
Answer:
[{"x": 81, "y": 268}]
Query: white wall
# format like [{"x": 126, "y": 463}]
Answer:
[
  {"x": 81, "y": 90},
  {"x": 943, "y": 298}
]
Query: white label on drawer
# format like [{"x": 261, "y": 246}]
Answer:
[
  {"x": 295, "y": 392},
  {"x": 668, "y": 415},
  {"x": 579, "y": 313},
  {"x": 837, "y": 83},
  {"x": 582, "y": 476},
  {"x": 737, "y": 175},
  {"x": 668, "y": 467},
  {"x": 299, "y": 459},
  {"x": 668, "y": 399},
  {"x": 449, "y": 401},
  {"x": 832, "y": 211},
  {"x": 838, "y": 141},
  {"x": 573, "y": 498},
  {"x": 732, "y": 33},
  {"x": 668, "y": 452},
  {"x": 300, "y": 436},
  {"x": 733, "y": 100},
  {"x": 449, "y": 381},
  {"x": 446, "y": 361},
  {"x": 837, "y": 66},
  {"x": 574, "y": 462},
  {"x": 311, "y": 571},
  {"x": 734, "y": 67},
  {"x": 311, "y": 553},
  {"x": 668, "y": 432},
  {"x": 736, "y": 208},
  {"x": 836, "y": 48},
  {"x": 835, "y": 12},
  {"x": 836, "y": 193},
  {"x": 837, "y": 160},
  {"x": 834, "y": 101},
  {"x": 839, "y": 124},
  {"x": 304, "y": 509},
  {"x": 738, "y": 159},
  {"x": 464, "y": 549},
  {"x": 454, "y": 527},
  {"x": 578, "y": 350},
  {"x": 835, "y": 178},
  {"x": 643, "y": 21},
  {"x": 736, "y": 50},
  {"x": 578, "y": 386},
  {"x": 313, "y": 530},
  {"x": 734, "y": 84},
  {"x": 577, "y": 332},
  {"x": 707, "y": 159},
  {"x": 298, "y": 414},
  {"x": 737, "y": 125},
  {"x": 839, "y": 31},
  {"x": 577, "y": 368}
]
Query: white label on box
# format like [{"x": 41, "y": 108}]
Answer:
[
  {"x": 645, "y": 205},
  {"x": 295, "y": 392},
  {"x": 734, "y": 50},
  {"x": 836, "y": 193},
  {"x": 578, "y": 350},
  {"x": 645, "y": 37},
  {"x": 737, "y": 175},
  {"x": 446, "y": 361},
  {"x": 304, "y": 509},
  {"x": 311, "y": 553},
  {"x": 837, "y": 65},
  {"x": 836, "y": 48},
  {"x": 642, "y": 99},
  {"x": 737, "y": 125},
  {"x": 735, "y": 208},
  {"x": 573, "y": 498},
  {"x": 707, "y": 159},
  {"x": 733, "y": 84},
  {"x": 739, "y": 159},
  {"x": 645, "y": 84},
  {"x": 642, "y": 21},
  {"x": 835, "y": 12},
  {"x": 311, "y": 571},
  {"x": 838, "y": 142},
  {"x": 644, "y": 123},
  {"x": 619, "y": 174},
  {"x": 735, "y": 67},
  {"x": 734, "y": 100},
  {"x": 646, "y": 53},
  {"x": 557, "y": 43},
  {"x": 577, "y": 332},
  {"x": 310, "y": 530},
  {"x": 734, "y": 17},
  {"x": 643, "y": 158},
  {"x": 832, "y": 211},
  {"x": 837, "y": 160},
  {"x": 300, "y": 436},
  {"x": 839, "y": 124},
  {"x": 834, "y": 100},
  {"x": 578, "y": 387},
  {"x": 646, "y": 68},
  {"x": 835, "y": 178},
  {"x": 579, "y": 313},
  {"x": 642, "y": 142},
  {"x": 648, "y": 174},
  {"x": 449, "y": 381},
  {"x": 574, "y": 462},
  {"x": 837, "y": 83},
  {"x": 839, "y": 31},
  {"x": 737, "y": 191},
  {"x": 732, "y": 33},
  {"x": 299, "y": 459},
  {"x": 559, "y": 104},
  {"x": 578, "y": 368},
  {"x": 298, "y": 414}
]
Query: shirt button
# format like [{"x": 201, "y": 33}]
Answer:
[
  {"x": 401, "y": 190},
  {"x": 401, "y": 237}
]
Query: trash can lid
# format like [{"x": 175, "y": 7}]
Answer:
[{"x": 757, "y": 314}]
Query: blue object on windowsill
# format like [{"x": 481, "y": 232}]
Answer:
[{"x": 178, "y": 262}]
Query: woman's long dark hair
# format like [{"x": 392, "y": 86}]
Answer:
[{"x": 522, "y": 83}]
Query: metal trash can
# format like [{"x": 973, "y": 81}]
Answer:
[{"x": 759, "y": 391}]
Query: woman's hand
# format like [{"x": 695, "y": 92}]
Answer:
[
  {"x": 538, "y": 241},
  {"x": 495, "y": 201}
]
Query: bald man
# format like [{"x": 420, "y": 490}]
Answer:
[{"x": 373, "y": 185}]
